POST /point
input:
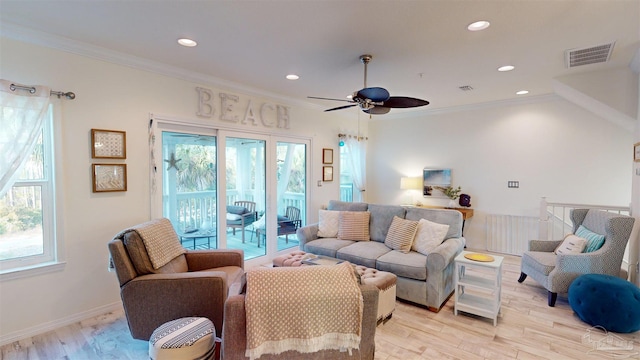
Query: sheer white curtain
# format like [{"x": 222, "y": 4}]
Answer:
[
  {"x": 357, "y": 149},
  {"x": 22, "y": 114}
]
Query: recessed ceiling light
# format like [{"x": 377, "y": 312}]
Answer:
[
  {"x": 349, "y": 97},
  {"x": 506, "y": 68},
  {"x": 187, "y": 42},
  {"x": 478, "y": 25},
  {"x": 522, "y": 92},
  {"x": 293, "y": 77}
]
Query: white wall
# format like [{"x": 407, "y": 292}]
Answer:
[
  {"x": 552, "y": 147},
  {"x": 113, "y": 97}
]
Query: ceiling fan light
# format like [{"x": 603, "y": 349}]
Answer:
[
  {"x": 478, "y": 25},
  {"x": 187, "y": 42},
  {"x": 506, "y": 68},
  {"x": 292, "y": 77}
]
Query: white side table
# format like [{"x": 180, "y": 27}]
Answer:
[{"x": 478, "y": 286}]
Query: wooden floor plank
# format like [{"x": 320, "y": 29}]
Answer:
[{"x": 527, "y": 329}]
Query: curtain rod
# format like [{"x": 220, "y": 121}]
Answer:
[{"x": 69, "y": 95}]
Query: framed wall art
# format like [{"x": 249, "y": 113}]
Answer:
[
  {"x": 327, "y": 173},
  {"x": 636, "y": 152},
  {"x": 109, "y": 177},
  {"x": 108, "y": 144},
  {"x": 327, "y": 156}
]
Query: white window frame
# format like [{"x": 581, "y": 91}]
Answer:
[{"x": 52, "y": 258}]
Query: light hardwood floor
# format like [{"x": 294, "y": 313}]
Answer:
[{"x": 527, "y": 329}]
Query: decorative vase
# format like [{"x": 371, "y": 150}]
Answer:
[{"x": 452, "y": 203}]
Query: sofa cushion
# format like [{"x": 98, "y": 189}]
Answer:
[
  {"x": 453, "y": 218},
  {"x": 381, "y": 218},
  {"x": 363, "y": 253},
  {"x": 326, "y": 246},
  {"x": 412, "y": 265},
  {"x": 401, "y": 234},
  {"x": 347, "y": 206},
  {"x": 238, "y": 210},
  {"x": 428, "y": 236},
  {"x": 354, "y": 225},
  {"x": 328, "y": 222}
]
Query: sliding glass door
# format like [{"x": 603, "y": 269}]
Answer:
[
  {"x": 291, "y": 162},
  {"x": 189, "y": 187},
  {"x": 250, "y": 196},
  {"x": 246, "y": 194}
]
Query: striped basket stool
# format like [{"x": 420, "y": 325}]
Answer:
[{"x": 190, "y": 338}]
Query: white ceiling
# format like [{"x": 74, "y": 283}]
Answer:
[{"x": 420, "y": 48}]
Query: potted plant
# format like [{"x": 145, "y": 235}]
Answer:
[{"x": 452, "y": 193}]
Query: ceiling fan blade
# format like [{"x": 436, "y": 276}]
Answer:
[
  {"x": 340, "y": 107},
  {"x": 323, "y": 98},
  {"x": 377, "y": 110},
  {"x": 404, "y": 102},
  {"x": 375, "y": 94}
]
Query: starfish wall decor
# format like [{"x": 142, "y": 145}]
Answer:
[{"x": 173, "y": 162}]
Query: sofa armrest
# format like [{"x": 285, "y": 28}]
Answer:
[
  {"x": 306, "y": 234},
  {"x": 235, "y": 325},
  {"x": 443, "y": 255},
  {"x": 544, "y": 245},
  {"x": 153, "y": 299},
  {"x": 198, "y": 260},
  {"x": 234, "y": 328}
]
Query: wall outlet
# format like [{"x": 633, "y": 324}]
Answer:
[{"x": 512, "y": 184}]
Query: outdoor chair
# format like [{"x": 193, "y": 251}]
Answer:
[
  {"x": 287, "y": 225},
  {"x": 240, "y": 215}
]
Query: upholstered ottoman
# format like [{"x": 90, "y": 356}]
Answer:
[
  {"x": 384, "y": 281},
  {"x": 607, "y": 301},
  {"x": 185, "y": 338}
]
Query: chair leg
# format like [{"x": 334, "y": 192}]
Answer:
[
  {"x": 552, "y": 298},
  {"x": 522, "y": 277}
]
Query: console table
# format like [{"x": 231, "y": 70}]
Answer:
[{"x": 467, "y": 213}]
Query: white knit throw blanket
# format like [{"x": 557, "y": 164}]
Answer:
[
  {"x": 160, "y": 240},
  {"x": 306, "y": 309}
]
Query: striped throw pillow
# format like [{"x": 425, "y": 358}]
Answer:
[
  {"x": 401, "y": 233},
  {"x": 354, "y": 225},
  {"x": 594, "y": 241}
]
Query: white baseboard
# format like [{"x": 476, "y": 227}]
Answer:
[{"x": 53, "y": 325}]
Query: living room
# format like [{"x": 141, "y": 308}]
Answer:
[{"x": 554, "y": 147}]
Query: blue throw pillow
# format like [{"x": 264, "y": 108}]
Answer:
[{"x": 594, "y": 241}]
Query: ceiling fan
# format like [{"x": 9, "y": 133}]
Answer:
[{"x": 375, "y": 100}]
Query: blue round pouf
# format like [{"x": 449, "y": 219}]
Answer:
[{"x": 606, "y": 300}]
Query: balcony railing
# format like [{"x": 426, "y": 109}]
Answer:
[{"x": 193, "y": 209}]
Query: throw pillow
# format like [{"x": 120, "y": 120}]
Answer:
[
  {"x": 428, "y": 236},
  {"x": 328, "y": 221},
  {"x": 233, "y": 217},
  {"x": 594, "y": 241},
  {"x": 238, "y": 210},
  {"x": 354, "y": 225},
  {"x": 571, "y": 244},
  {"x": 401, "y": 233}
]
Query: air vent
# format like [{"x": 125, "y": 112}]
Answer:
[
  {"x": 465, "y": 87},
  {"x": 590, "y": 55}
]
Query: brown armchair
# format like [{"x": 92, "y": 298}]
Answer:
[{"x": 195, "y": 283}]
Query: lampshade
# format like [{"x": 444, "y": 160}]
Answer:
[{"x": 410, "y": 183}]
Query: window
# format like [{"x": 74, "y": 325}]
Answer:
[
  {"x": 346, "y": 180},
  {"x": 27, "y": 215}
]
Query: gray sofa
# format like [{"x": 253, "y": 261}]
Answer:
[{"x": 422, "y": 279}]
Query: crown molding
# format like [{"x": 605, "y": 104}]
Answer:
[{"x": 23, "y": 34}]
